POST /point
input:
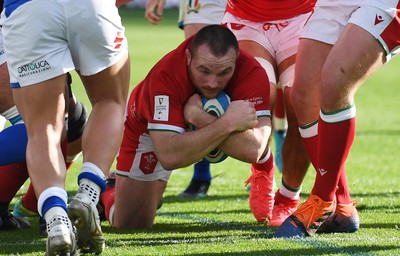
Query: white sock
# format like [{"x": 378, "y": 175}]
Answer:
[
  {"x": 54, "y": 214},
  {"x": 295, "y": 195},
  {"x": 91, "y": 189}
]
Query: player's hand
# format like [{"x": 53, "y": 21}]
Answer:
[
  {"x": 241, "y": 115},
  {"x": 193, "y": 109},
  {"x": 154, "y": 10}
]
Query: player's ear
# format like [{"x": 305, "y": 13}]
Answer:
[{"x": 188, "y": 56}]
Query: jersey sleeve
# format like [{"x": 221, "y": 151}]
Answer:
[
  {"x": 165, "y": 104},
  {"x": 251, "y": 83}
]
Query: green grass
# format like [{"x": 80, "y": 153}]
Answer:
[{"x": 222, "y": 223}]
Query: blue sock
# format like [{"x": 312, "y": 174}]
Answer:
[
  {"x": 13, "y": 141},
  {"x": 202, "y": 171},
  {"x": 53, "y": 202}
]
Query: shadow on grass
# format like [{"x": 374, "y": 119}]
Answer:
[{"x": 351, "y": 250}]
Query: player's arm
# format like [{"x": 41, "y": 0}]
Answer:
[
  {"x": 154, "y": 10},
  {"x": 176, "y": 150},
  {"x": 250, "y": 145}
]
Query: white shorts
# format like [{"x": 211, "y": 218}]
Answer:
[
  {"x": 280, "y": 38},
  {"x": 201, "y": 12},
  {"x": 2, "y": 54},
  {"x": 375, "y": 16},
  {"x": 144, "y": 166},
  {"x": 45, "y": 38}
]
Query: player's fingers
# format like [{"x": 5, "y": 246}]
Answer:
[
  {"x": 160, "y": 10},
  {"x": 152, "y": 18}
]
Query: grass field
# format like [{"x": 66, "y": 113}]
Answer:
[{"x": 222, "y": 222}]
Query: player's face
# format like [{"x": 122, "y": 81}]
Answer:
[{"x": 210, "y": 74}]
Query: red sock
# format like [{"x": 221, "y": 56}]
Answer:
[
  {"x": 335, "y": 141},
  {"x": 279, "y": 108},
  {"x": 281, "y": 199},
  {"x": 69, "y": 164},
  {"x": 12, "y": 177},
  {"x": 311, "y": 146},
  {"x": 108, "y": 198},
  {"x": 267, "y": 166},
  {"x": 29, "y": 200},
  {"x": 342, "y": 192}
]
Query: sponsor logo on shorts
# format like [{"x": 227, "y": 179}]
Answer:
[
  {"x": 118, "y": 40},
  {"x": 378, "y": 19},
  {"x": 33, "y": 68}
]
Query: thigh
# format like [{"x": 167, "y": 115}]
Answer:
[
  {"x": 41, "y": 105},
  {"x": 348, "y": 65},
  {"x": 311, "y": 56},
  {"x": 111, "y": 84},
  {"x": 35, "y": 42},
  {"x": 136, "y": 202},
  {"x": 96, "y": 37}
]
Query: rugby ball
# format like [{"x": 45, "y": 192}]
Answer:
[{"x": 216, "y": 107}]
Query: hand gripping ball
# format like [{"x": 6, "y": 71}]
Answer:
[{"x": 216, "y": 107}]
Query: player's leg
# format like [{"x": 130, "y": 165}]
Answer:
[
  {"x": 261, "y": 196},
  {"x": 101, "y": 138},
  {"x": 280, "y": 127},
  {"x": 100, "y": 53},
  {"x": 41, "y": 104},
  {"x": 295, "y": 166},
  {"x": 77, "y": 115},
  {"x": 40, "y": 98},
  {"x": 107, "y": 92},
  {"x": 13, "y": 138},
  {"x": 340, "y": 82},
  {"x": 12, "y": 177},
  {"x": 336, "y": 126},
  {"x": 310, "y": 57},
  {"x": 42, "y": 108},
  {"x": 6, "y": 98},
  {"x": 295, "y": 159},
  {"x": 136, "y": 202},
  {"x": 77, "y": 118},
  {"x": 14, "y": 141},
  {"x": 200, "y": 181}
]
